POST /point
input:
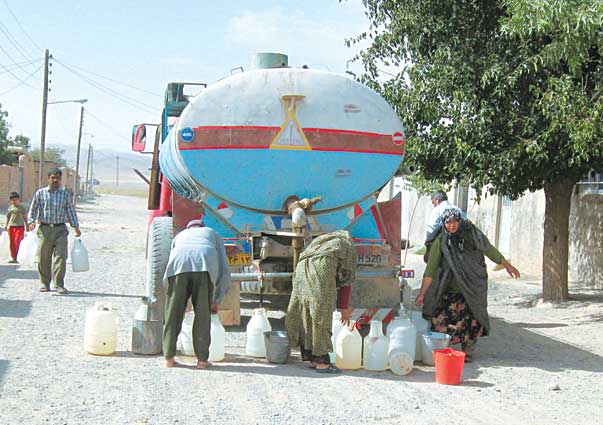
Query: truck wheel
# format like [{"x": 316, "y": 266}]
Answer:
[{"x": 159, "y": 241}]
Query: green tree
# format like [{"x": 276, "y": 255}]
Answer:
[
  {"x": 5, "y": 156},
  {"x": 502, "y": 93},
  {"x": 21, "y": 141},
  {"x": 51, "y": 154}
]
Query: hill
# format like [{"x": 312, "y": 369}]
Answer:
[{"x": 105, "y": 164}]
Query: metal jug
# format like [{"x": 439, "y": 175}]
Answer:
[{"x": 147, "y": 328}]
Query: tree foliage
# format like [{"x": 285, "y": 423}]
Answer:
[
  {"x": 7, "y": 157},
  {"x": 503, "y": 93},
  {"x": 10, "y": 158},
  {"x": 51, "y": 154}
]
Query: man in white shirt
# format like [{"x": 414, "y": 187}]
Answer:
[
  {"x": 439, "y": 200},
  {"x": 197, "y": 268}
]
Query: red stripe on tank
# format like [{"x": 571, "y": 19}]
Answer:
[{"x": 320, "y": 139}]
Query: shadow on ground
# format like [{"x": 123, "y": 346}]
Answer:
[
  {"x": 15, "y": 272},
  {"x": 99, "y": 294},
  {"x": 580, "y": 296},
  {"x": 17, "y": 309},
  {"x": 512, "y": 345},
  {"x": 4, "y": 365}
]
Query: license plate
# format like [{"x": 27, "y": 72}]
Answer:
[
  {"x": 239, "y": 259},
  {"x": 371, "y": 259}
]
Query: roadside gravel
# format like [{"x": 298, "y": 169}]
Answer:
[{"x": 541, "y": 365}]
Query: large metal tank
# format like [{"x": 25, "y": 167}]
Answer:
[{"x": 255, "y": 138}]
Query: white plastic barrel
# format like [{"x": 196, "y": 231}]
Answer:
[
  {"x": 28, "y": 250},
  {"x": 100, "y": 334},
  {"x": 218, "y": 339},
  {"x": 79, "y": 257},
  {"x": 185, "y": 338},
  {"x": 4, "y": 244},
  {"x": 402, "y": 347},
  {"x": 258, "y": 324},
  {"x": 421, "y": 325},
  {"x": 375, "y": 348},
  {"x": 336, "y": 327},
  {"x": 348, "y": 349}
]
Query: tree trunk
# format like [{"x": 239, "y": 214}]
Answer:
[{"x": 556, "y": 240}]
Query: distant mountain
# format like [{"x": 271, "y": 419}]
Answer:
[{"x": 105, "y": 163}]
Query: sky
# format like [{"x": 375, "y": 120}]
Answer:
[{"x": 120, "y": 55}]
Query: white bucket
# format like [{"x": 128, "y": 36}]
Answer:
[{"x": 431, "y": 341}]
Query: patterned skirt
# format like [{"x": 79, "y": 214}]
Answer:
[{"x": 454, "y": 317}]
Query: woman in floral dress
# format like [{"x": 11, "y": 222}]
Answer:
[
  {"x": 454, "y": 291},
  {"x": 322, "y": 279}
]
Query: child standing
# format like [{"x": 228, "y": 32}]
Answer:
[{"x": 15, "y": 224}]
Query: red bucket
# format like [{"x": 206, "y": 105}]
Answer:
[{"x": 449, "y": 365}]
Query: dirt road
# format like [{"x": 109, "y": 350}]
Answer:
[{"x": 542, "y": 364}]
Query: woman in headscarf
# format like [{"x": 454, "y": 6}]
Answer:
[
  {"x": 323, "y": 277},
  {"x": 454, "y": 291}
]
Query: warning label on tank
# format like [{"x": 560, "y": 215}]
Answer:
[{"x": 290, "y": 136}]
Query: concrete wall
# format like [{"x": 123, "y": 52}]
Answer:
[
  {"x": 483, "y": 214},
  {"x": 9, "y": 182},
  {"x": 23, "y": 178},
  {"x": 586, "y": 238},
  {"x": 527, "y": 232},
  {"x": 29, "y": 183}
]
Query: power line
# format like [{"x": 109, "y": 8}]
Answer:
[
  {"x": 107, "y": 90},
  {"x": 18, "y": 66},
  {"x": 21, "y": 26},
  {"x": 108, "y": 126},
  {"x": 115, "y": 81},
  {"x": 14, "y": 42},
  {"x": 21, "y": 83},
  {"x": 21, "y": 64}
]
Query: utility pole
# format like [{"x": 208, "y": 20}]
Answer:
[
  {"x": 77, "y": 158},
  {"x": 44, "y": 107},
  {"x": 92, "y": 167},
  {"x": 117, "y": 172},
  {"x": 86, "y": 185}
]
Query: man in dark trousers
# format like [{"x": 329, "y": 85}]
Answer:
[
  {"x": 52, "y": 206},
  {"x": 197, "y": 269}
]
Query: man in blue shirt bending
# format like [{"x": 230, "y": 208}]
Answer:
[{"x": 197, "y": 269}]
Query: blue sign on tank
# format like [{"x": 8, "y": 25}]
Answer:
[{"x": 187, "y": 134}]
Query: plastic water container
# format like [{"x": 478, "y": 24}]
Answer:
[
  {"x": 218, "y": 340},
  {"x": 401, "y": 319},
  {"x": 375, "y": 348},
  {"x": 336, "y": 327},
  {"x": 348, "y": 349},
  {"x": 28, "y": 250},
  {"x": 79, "y": 257},
  {"x": 100, "y": 333},
  {"x": 431, "y": 341},
  {"x": 421, "y": 325},
  {"x": 255, "y": 346},
  {"x": 4, "y": 244},
  {"x": 402, "y": 347},
  {"x": 185, "y": 339},
  {"x": 449, "y": 366}
]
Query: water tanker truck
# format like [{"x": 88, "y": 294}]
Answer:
[{"x": 271, "y": 158}]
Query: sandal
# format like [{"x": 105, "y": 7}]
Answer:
[{"x": 330, "y": 369}]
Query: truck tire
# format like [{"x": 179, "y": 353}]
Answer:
[{"x": 159, "y": 241}]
